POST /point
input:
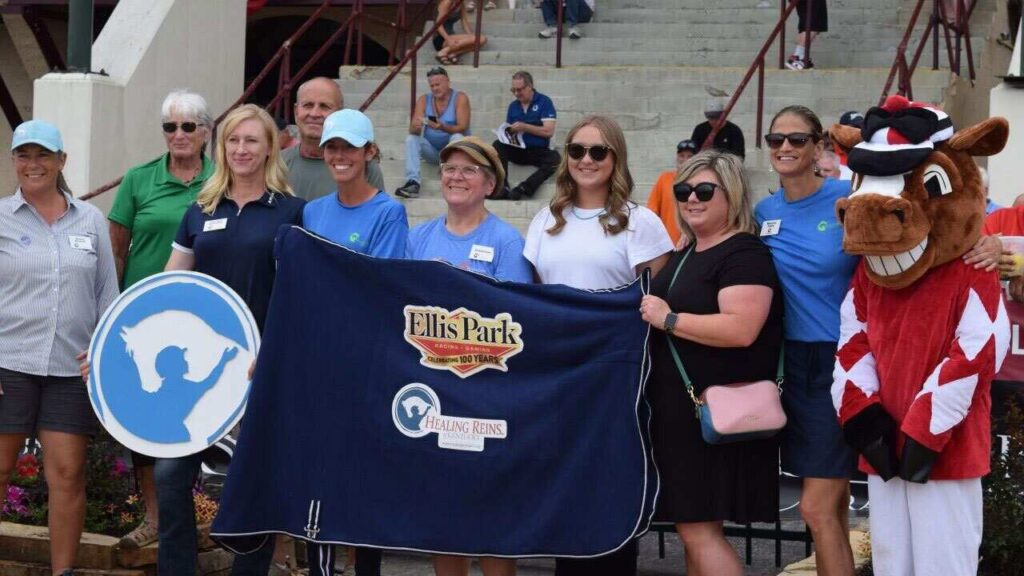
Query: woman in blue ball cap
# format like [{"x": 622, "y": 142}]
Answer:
[{"x": 57, "y": 277}]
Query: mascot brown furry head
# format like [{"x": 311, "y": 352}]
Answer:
[{"x": 918, "y": 199}]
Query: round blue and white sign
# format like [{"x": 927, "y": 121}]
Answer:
[{"x": 169, "y": 364}]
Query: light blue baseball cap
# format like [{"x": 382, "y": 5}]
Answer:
[
  {"x": 352, "y": 126},
  {"x": 38, "y": 132}
]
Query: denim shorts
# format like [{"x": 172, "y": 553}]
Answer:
[
  {"x": 29, "y": 403},
  {"x": 812, "y": 442}
]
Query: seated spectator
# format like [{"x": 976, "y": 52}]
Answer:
[
  {"x": 440, "y": 117},
  {"x": 809, "y": 24},
  {"x": 453, "y": 45},
  {"x": 308, "y": 176},
  {"x": 990, "y": 206},
  {"x": 828, "y": 165},
  {"x": 284, "y": 133},
  {"x": 662, "y": 200},
  {"x": 729, "y": 138},
  {"x": 574, "y": 12},
  {"x": 531, "y": 115}
]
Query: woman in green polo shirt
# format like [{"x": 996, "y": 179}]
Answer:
[{"x": 146, "y": 214}]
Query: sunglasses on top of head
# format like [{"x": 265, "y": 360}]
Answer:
[
  {"x": 598, "y": 152},
  {"x": 186, "y": 127},
  {"x": 796, "y": 139},
  {"x": 705, "y": 191}
]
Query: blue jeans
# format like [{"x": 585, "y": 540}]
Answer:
[
  {"x": 179, "y": 543},
  {"x": 417, "y": 148},
  {"x": 575, "y": 12}
]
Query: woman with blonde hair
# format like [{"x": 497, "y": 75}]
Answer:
[
  {"x": 228, "y": 234},
  {"x": 720, "y": 306},
  {"x": 594, "y": 236}
]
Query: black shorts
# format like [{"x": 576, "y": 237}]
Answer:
[
  {"x": 819, "y": 16},
  {"x": 30, "y": 403}
]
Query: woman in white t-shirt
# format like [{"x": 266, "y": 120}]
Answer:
[{"x": 593, "y": 236}]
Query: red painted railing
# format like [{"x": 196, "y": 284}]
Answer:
[
  {"x": 786, "y": 8},
  {"x": 954, "y": 34}
]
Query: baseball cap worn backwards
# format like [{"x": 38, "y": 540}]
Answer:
[
  {"x": 38, "y": 132},
  {"x": 352, "y": 126},
  {"x": 481, "y": 152}
]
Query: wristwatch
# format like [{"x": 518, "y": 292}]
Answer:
[{"x": 670, "y": 322}]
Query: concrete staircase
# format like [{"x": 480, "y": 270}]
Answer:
[{"x": 647, "y": 63}]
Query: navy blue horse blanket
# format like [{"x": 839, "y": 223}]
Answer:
[{"x": 412, "y": 405}]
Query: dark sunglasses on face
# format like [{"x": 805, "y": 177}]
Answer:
[
  {"x": 597, "y": 152},
  {"x": 705, "y": 191},
  {"x": 796, "y": 139},
  {"x": 186, "y": 127}
]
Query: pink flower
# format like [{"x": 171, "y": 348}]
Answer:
[
  {"x": 15, "y": 503},
  {"x": 120, "y": 468}
]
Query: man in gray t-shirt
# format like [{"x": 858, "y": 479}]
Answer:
[{"x": 307, "y": 173}]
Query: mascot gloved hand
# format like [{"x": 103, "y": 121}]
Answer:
[{"x": 922, "y": 333}]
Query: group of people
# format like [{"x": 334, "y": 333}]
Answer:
[{"x": 719, "y": 295}]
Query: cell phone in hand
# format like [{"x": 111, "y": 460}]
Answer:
[{"x": 432, "y": 118}]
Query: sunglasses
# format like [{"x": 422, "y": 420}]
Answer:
[
  {"x": 705, "y": 191},
  {"x": 796, "y": 139},
  {"x": 186, "y": 127},
  {"x": 598, "y": 152}
]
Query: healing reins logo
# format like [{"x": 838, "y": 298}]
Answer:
[{"x": 462, "y": 341}]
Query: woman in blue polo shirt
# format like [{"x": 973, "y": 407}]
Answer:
[
  {"x": 229, "y": 234},
  {"x": 363, "y": 218},
  {"x": 799, "y": 224}
]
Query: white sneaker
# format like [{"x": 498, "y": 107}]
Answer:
[
  {"x": 547, "y": 32},
  {"x": 764, "y": 4},
  {"x": 575, "y": 33}
]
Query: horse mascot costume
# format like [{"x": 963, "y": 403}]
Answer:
[{"x": 922, "y": 334}]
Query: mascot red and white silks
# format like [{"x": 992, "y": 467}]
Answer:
[{"x": 922, "y": 334}]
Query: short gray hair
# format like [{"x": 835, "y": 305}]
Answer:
[{"x": 187, "y": 104}]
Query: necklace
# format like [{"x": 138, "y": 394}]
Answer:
[{"x": 578, "y": 217}]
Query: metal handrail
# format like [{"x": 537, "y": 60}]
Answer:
[
  {"x": 961, "y": 31},
  {"x": 758, "y": 66}
]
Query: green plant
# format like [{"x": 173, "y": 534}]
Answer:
[
  {"x": 1002, "y": 545},
  {"x": 112, "y": 506}
]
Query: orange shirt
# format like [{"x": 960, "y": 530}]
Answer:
[
  {"x": 662, "y": 202},
  {"x": 1005, "y": 221}
]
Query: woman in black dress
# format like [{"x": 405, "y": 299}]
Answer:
[{"x": 724, "y": 314}]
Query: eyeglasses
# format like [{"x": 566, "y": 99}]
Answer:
[
  {"x": 796, "y": 139},
  {"x": 515, "y": 90},
  {"x": 598, "y": 152},
  {"x": 186, "y": 127},
  {"x": 467, "y": 171},
  {"x": 705, "y": 191}
]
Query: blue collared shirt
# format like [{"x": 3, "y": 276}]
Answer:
[
  {"x": 541, "y": 108},
  {"x": 55, "y": 283},
  {"x": 237, "y": 246}
]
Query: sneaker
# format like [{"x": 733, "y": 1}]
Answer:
[
  {"x": 547, "y": 32},
  {"x": 575, "y": 34},
  {"x": 502, "y": 194},
  {"x": 143, "y": 535},
  {"x": 795, "y": 63},
  {"x": 411, "y": 189},
  {"x": 518, "y": 193}
]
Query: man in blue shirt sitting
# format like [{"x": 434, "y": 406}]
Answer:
[{"x": 532, "y": 116}]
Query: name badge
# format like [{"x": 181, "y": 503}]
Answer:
[
  {"x": 770, "y": 227},
  {"x": 218, "y": 224},
  {"x": 80, "y": 242},
  {"x": 481, "y": 253}
]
